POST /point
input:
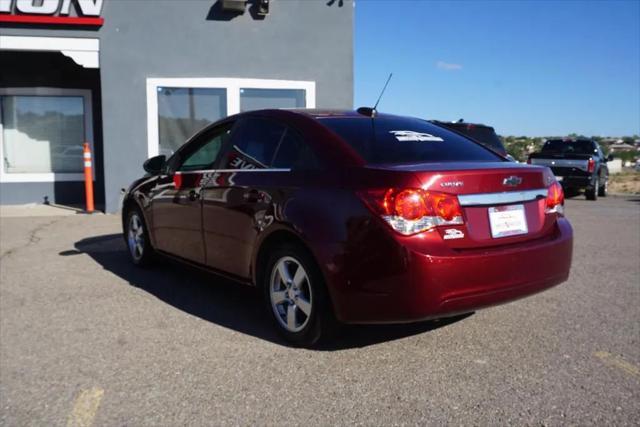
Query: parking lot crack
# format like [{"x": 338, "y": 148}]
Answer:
[{"x": 33, "y": 238}]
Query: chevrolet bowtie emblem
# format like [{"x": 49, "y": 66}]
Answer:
[{"x": 512, "y": 181}]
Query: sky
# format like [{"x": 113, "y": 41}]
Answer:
[{"x": 539, "y": 68}]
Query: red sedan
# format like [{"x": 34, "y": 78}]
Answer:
[{"x": 352, "y": 217}]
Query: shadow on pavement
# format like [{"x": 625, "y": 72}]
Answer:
[
  {"x": 224, "y": 302},
  {"x": 570, "y": 193}
]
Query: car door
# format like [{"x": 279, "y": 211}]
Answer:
[
  {"x": 176, "y": 201},
  {"x": 238, "y": 199}
]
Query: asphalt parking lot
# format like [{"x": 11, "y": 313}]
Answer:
[{"x": 86, "y": 338}]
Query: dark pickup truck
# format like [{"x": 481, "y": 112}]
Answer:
[
  {"x": 578, "y": 164},
  {"x": 483, "y": 134}
]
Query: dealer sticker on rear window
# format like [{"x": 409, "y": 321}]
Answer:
[{"x": 411, "y": 136}]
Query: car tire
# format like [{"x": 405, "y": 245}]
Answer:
[
  {"x": 604, "y": 188},
  {"x": 296, "y": 297},
  {"x": 591, "y": 193},
  {"x": 137, "y": 239}
]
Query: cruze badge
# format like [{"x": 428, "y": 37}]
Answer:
[
  {"x": 512, "y": 181},
  {"x": 447, "y": 184}
]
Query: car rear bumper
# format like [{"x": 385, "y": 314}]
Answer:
[{"x": 435, "y": 286}]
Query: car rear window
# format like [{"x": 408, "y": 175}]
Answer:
[
  {"x": 561, "y": 147},
  {"x": 397, "y": 140}
]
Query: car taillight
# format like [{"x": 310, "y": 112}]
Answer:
[
  {"x": 591, "y": 165},
  {"x": 413, "y": 210},
  {"x": 555, "y": 199},
  {"x": 409, "y": 204}
]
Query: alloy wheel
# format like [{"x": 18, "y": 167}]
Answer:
[
  {"x": 290, "y": 294},
  {"x": 135, "y": 237}
]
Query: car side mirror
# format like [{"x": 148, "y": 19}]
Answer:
[
  {"x": 155, "y": 164},
  {"x": 609, "y": 157}
]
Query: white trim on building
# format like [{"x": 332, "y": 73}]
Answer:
[
  {"x": 232, "y": 86},
  {"x": 84, "y": 51}
]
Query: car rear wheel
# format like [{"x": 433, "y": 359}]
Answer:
[
  {"x": 296, "y": 297},
  {"x": 140, "y": 250},
  {"x": 591, "y": 193},
  {"x": 604, "y": 188}
]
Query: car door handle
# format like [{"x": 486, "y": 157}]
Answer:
[
  {"x": 252, "y": 196},
  {"x": 194, "y": 195}
]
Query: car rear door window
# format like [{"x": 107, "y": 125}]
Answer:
[
  {"x": 397, "y": 140},
  {"x": 294, "y": 153},
  {"x": 254, "y": 144}
]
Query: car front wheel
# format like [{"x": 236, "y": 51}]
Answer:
[
  {"x": 140, "y": 250},
  {"x": 296, "y": 297}
]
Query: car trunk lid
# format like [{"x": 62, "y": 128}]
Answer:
[{"x": 502, "y": 203}]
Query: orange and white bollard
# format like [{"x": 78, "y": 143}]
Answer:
[{"x": 88, "y": 177}]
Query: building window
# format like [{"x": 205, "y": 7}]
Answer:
[
  {"x": 179, "y": 107},
  {"x": 41, "y": 134},
  {"x": 184, "y": 111},
  {"x": 258, "y": 99}
]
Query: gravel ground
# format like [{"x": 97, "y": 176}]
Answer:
[
  {"x": 85, "y": 338},
  {"x": 626, "y": 182}
]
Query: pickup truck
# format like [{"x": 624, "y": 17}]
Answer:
[
  {"x": 578, "y": 164},
  {"x": 485, "y": 135}
]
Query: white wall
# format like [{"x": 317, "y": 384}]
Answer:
[{"x": 615, "y": 166}]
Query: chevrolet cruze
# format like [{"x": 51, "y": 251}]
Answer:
[{"x": 352, "y": 217}]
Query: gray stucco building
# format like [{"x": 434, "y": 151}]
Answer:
[{"x": 135, "y": 78}]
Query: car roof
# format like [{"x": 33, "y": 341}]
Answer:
[{"x": 318, "y": 113}]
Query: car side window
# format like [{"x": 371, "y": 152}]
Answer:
[
  {"x": 205, "y": 151},
  {"x": 254, "y": 144},
  {"x": 294, "y": 153}
]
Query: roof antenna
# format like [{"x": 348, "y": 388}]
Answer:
[
  {"x": 382, "y": 93},
  {"x": 371, "y": 112}
]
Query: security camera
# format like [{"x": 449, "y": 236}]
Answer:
[{"x": 237, "y": 6}]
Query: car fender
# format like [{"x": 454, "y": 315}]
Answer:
[{"x": 303, "y": 217}]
